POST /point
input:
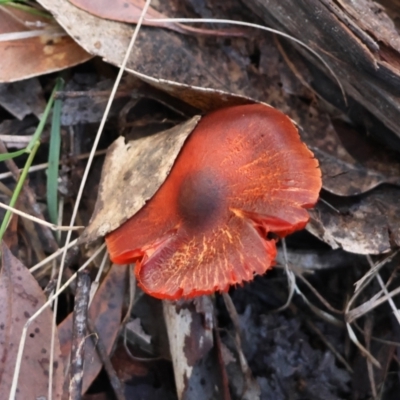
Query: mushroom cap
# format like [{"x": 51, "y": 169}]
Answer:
[{"x": 242, "y": 173}]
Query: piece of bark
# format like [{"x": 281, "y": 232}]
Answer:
[{"x": 367, "y": 63}]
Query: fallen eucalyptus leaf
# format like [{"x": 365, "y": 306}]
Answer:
[{"x": 132, "y": 173}]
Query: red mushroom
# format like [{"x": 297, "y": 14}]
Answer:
[{"x": 242, "y": 173}]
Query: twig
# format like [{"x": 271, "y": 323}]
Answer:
[
  {"x": 329, "y": 345},
  {"x": 370, "y": 368},
  {"x": 251, "y": 385},
  {"x": 78, "y": 334},
  {"x": 102, "y": 352}
]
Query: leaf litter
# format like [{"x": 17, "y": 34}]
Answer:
[
  {"x": 21, "y": 297},
  {"x": 33, "y": 45}
]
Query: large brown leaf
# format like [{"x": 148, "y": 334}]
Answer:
[{"x": 20, "y": 298}]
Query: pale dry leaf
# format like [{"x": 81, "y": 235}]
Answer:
[
  {"x": 23, "y": 56},
  {"x": 132, "y": 173},
  {"x": 205, "y": 99},
  {"x": 363, "y": 225},
  {"x": 21, "y": 297}
]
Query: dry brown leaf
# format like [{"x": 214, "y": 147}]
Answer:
[
  {"x": 49, "y": 50},
  {"x": 105, "y": 312},
  {"x": 349, "y": 178},
  {"x": 364, "y": 225},
  {"x": 20, "y": 298},
  {"x": 130, "y": 11},
  {"x": 132, "y": 173},
  {"x": 202, "y": 98},
  {"x": 23, "y": 98}
]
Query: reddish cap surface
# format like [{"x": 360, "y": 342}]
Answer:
[{"x": 242, "y": 173}]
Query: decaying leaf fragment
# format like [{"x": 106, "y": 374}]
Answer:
[
  {"x": 34, "y": 45},
  {"x": 362, "y": 225},
  {"x": 20, "y": 298},
  {"x": 132, "y": 173}
]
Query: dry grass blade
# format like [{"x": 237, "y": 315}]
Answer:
[
  {"x": 96, "y": 282},
  {"x": 40, "y": 167},
  {"x": 40, "y": 221},
  {"x": 385, "y": 291},
  {"x": 251, "y": 386},
  {"x": 370, "y": 305},
  {"x": 329, "y": 345},
  {"x": 52, "y": 256},
  {"x": 295, "y": 289},
  {"x": 318, "y": 295},
  {"x": 375, "y": 301},
  {"x": 361, "y": 283},
  {"x": 362, "y": 349},
  {"x": 290, "y": 277}
]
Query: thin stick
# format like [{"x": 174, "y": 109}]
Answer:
[
  {"x": 86, "y": 174},
  {"x": 329, "y": 345},
  {"x": 248, "y": 377},
  {"x": 40, "y": 221},
  {"x": 79, "y": 321},
  {"x": 36, "y": 314},
  {"x": 370, "y": 368},
  {"x": 102, "y": 352}
]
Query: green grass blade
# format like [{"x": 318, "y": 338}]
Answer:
[
  {"x": 45, "y": 115},
  {"x": 31, "y": 149},
  {"x": 8, "y": 156},
  {"x": 54, "y": 159},
  {"x": 18, "y": 189}
]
